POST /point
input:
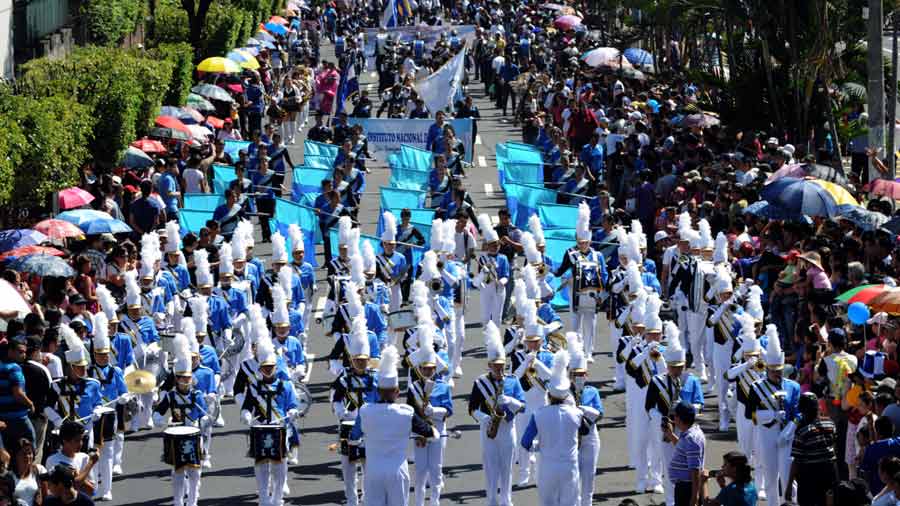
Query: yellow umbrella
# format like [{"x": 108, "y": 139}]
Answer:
[
  {"x": 219, "y": 65},
  {"x": 839, "y": 193},
  {"x": 244, "y": 59}
]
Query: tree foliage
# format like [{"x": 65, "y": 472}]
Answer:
[
  {"x": 181, "y": 56},
  {"x": 109, "y": 21}
]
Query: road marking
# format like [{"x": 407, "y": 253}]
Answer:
[
  {"x": 482, "y": 162},
  {"x": 489, "y": 190},
  {"x": 320, "y": 308},
  {"x": 477, "y": 139},
  {"x": 310, "y": 360},
  {"x": 495, "y": 220}
]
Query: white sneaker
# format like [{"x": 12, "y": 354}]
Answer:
[
  {"x": 617, "y": 386},
  {"x": 658, "y": 489},
  {"x": 458, "y": 373},
  {"x": 105, "y": 497},
  {"x": 286, "y": 490},
  {"x": 220, "y": 422},
  {"x": 207, "y": 463},
  {"x": 590, "y": 360},
  {"x": 117, "y": 470}
]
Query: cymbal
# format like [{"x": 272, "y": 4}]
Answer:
[{"x": 140, "y": 382}]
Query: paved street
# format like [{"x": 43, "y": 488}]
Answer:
[{"x": 316, "y": 480}]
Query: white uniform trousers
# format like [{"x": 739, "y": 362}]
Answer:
[
  {"x": 396, "y": 297},
  {"x": 721, "y": 364},
  {"x": 105, "y": 469},
  {"x": 660, "y": 456},
  {"x": 774, "y": 460},
  {"x": 385, "y": 486},
  {"x": 697, "y": 336},
  {"x": 644, "y": 471},
  {"x": 634, "y": 397},
  {"x": 492, "y": 297},
  {"x": 459, "y": 337},
  {"x": 206, "y": 433},
  {"x": 118, "y": 449},
  {"x": 558, "y": 483},
  {"x": 588, "y": 453},
  {"x": 526, "y": 459},
  {"x": 143, "y": 417},
  {"x": 583, "y": 322},
  {"x": 713, "y": 372},
  {"x": 270, "y": 480},
  {"x": 430, "y": 470},
  {"x": 185, "y": 482},
  {"x": 614, "y": 335},
  {"x": 348, "y": 470},
  {"x": 497, "y": 457}
]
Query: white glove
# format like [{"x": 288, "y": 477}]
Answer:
[
  {"x": 503, "y": 281},
  {"x": 503, "y": 400},
  {"x": 780, "y": 416},
  {"x": 429, "y": 410},
  {"x": 438, "y": 413},
  {"x": 293, "y": 413},
  {"x": 339, "y": 410},
  {"x": 536, "y": 445},
  {"x": 481, "y": 417},
  {"x": 590, "y": 414},
  {"x": 124, "y": 398},
  {"x": 335, "y": 367},
  {"x": 95, "y": 415},
  {"x": 531, "y": 357},
  {"x": 787, "y": 434},
  {"x": 246, "y": 417},
  {"x": 210, "y": 399}
]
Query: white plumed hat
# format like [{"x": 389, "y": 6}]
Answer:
[
  {"x": 675, "y": 353},
  {"x": 296, "y": 235},
  {"x": 651, "y": 318},
  {"x": 358, "y": 342},
  {"x": 487, "y": 230},
  {"x": 389, "y": 222},
  {"x": 101, "y": 333},
  {"x": 583, "y": 223},
  {"x": 529, "y": 246},
  {"x": 200, "y": 314},
  {"x": 720, "y": 252},
  {"x": 534, "y": 224},
  {"x": 279, "y": 249},
  {"x": 496, "y": 354},
  {"x": 280, "y": 316},
  {"x": 173, "y": 235},
  {"x": 201, "y": 264},
  {"x": 559, "y": 375},
  {"x": 388, "y": 376},
  {"x": 774, "y": 357}
]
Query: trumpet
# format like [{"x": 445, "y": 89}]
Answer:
[
  {"x": 436, "y": 285},
  {"x": 489, "y": 269},
  {"x": 496, "y": 414},
  {"x": 542, "y": 270},
  {"x": 760, "y": 365}
]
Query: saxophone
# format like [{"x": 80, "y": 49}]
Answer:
[{"x": 496, "y": 414}]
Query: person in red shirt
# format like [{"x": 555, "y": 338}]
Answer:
[{"x": 583, "y": 123}]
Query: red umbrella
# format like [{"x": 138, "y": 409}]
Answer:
[
  {"x": 278, "y": 19},
  {"x": 74, "y": 197},
  {"x": 173, "y": 123},
  {"x": 194, "y": 113},
  {"x": 31, "y": 250},
  {"x": 215, "y": 122},
  {"x": 237, "y": 88},
  {"x": 884, "y": 187},
  {"x": 567, "y": 22},
  {"x": 867, "y": 294},
  {"x": 58, "y": 229},
  {"x": 150, "y": 146}
]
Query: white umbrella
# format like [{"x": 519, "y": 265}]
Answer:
[
  {"x": 605, "y": 57},
  {"x": 11, "y": 300},
  {"x": 199, "y": 132}
]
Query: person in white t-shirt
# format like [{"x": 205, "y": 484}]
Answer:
[
  {"x": 70, "y": 454},
  {"x": 194, "y": 180},
  {"x": 465, "y": 240}
]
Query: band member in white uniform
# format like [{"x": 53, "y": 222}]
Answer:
[
  {"x": 587, "y": 399},
  {"x": 386, "y": 427},
  {"x": 721, "y": 314},
  {"x": 495, "y": 400},
  {"x": 618, "y": 298},
  {"x": 392, "y": 268},
  {"x": 142, "y": 330},
  {"x": 493, "y": 274},
  {"x": 432, "y": 400},
  {"x": 556, "y": 425},
  {"x": 588, "y": 279},
  {"x": 749, "y": 369},
  {"x": 304, "y": 270}
]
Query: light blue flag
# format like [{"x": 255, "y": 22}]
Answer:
[
  {"x": 192, "y": 220},
  {"x": 419, "y": 218},
  {"x": 308, "y": 180},
  {"x": 287, "y": 212},
  {"x": 392, "y": 198},
  {"x": 523, "y": 201},
  {"x": 319, "y": 162},
  {"x": 557, "y": 215},
  {"x": 203, "y": 201},
  {"x": 232, "y": 148},
  {"x": 555, "y": 250},
  {"x": 223, "y": 175},
  {"x": 408, "y": 178},
  {"x": 521, "y": 173},
  {"x": 416, "y": 158},
  {"x": 313, "y": 148},
  {"x": 560, "y": 233}
]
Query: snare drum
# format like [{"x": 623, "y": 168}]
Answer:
[
  {"x": 105, "y": 426},
  {"x": 353, "y": 452},
  {"x": 268, "y": 442},
  {"x": 588, "y": 277},
  {"x": 402, "y": 319},
  {"x": 182, "y": 447}
]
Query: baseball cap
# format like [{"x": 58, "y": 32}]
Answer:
[{"x": 660, "y": 236}]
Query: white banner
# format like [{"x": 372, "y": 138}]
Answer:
[
  {"x": 386, "y": 135},
  {"x": 430, "y": 34},
  {"x": 440, "y": 88}
]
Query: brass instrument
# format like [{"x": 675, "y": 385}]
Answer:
[
  {"x": 542, "y": 270},
  {"x": 760, "y": 364},
  {"x": 436, "y": 285},
  {"x": 495, "y": 414},
  {"x": 422, "y": 404},
  {"x": 557, "y": 341},
  {"x": 489, "y": 268}
]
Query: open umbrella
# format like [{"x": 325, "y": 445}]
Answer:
[
  {"x": 215, "y": 122},
  {"x": 699, "y": 120},
  {"x": 638, "y": 56},
  {"x": 604, "y": 57},
  {"x": 150, "y": 146},
  {"x": 276, "y": 28},
  {"x": 58, "y": 229},
  {"x": 800, "y": 196},
  {"x": 262, "y": 36},
  {"x": 887, "y": 301},
  {"x": 567, "y": 22},
  {"x": 764, "y": 209},
  {"x": 171, "y": 122},
  {"x": 17, "y": 238},
  {"x": 632, "y": 73},
  {"x": 11, "y": 300},
  {"x": 884, "y": 187},
  {"x": 861, "y": 217},
  {"x": 79, "y": 217},
  {"x": 218, "y": 65},
  {"x": 211, "y": 91},
  {"x": 134, "y": 158},
  {"x": 190, "y": 115},
  {"x": 25, "y": 251},
  {"x": 278, "y": 19},
  {"x": 105, "y": 226},
  {"x": 816, "y": 170},
  {"x": 252, "y": 42},
  {"x": 199, "y": 132},
  {"x": 200, "y": 103},
  {"x": 562, "y": 9},
  {"x": 168, "y": 133},
  {"x": 74, "y": 197},
  {"x": 838, "y": 193},
  {"x": 44, "y": 266},
  {"x": 862, "y": 293},
  {"x": 169, "y": 110}
]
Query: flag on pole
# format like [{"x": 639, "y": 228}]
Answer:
[
  {"x": 390, "y": 18},
  {"x": 348, "y": 86},
  {"x": 441, "y": 88}
]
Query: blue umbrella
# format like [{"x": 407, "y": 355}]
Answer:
[
  {"x": 252, "y": 42},
  {"x": 264, "y": 37},
  {"x": 250, "y": 49},
  {"x": 637, "y": 56},
  {"x": 763, "y": 209},
  {"x": 800, "y": 196},
  {"x": 861, "y": 217},
  {"x": 169, "y": 110},
  {"x": 105, "y": 226},
  {"x": 78, "y": 217},
  {"x": 135, "y": 158},
  {"x": 266, "y": 44},
  {"x": 276, "y": 28},
  {"x": 44, "y": 266},
  {"x": 236, "y": 56},
  {"x": 17, "y": 238}
]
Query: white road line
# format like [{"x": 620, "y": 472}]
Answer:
[
  {"x": 482, "y": 162},
  {"x": 495, "y": 220},
  {"x": 320, "y": 307},
  {"x": 489, "y": 190},
  {"x": 477, "y": 139}
]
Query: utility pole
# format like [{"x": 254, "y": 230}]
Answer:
[
  {"x": 892, "y": 100},
  {"x": 875, "y": 91}
]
